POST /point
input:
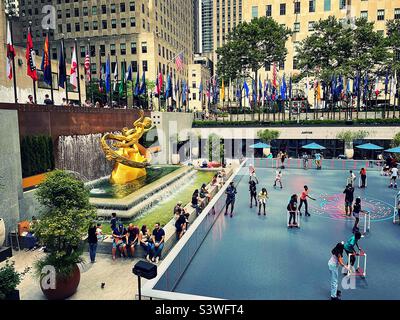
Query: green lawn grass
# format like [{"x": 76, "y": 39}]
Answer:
[{"x": 163, "y": 213}]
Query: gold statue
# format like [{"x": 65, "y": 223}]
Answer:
[{"x": 131, "y": 158}]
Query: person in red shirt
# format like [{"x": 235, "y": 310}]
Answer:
[
  {"x": 363, "y": 174},
  {"x": 303, "y": 200}
]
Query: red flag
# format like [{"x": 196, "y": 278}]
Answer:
[
  {"x": 30, "y": 57},
  {"x": 10, "y": 52},
  {"x": 179, "y": 62},
  {"x": 274, "y": 76},
  {"x": 160, "y": 82},
  {"x": 73, "y": 79}
]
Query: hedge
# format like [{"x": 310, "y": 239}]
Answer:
[{"x": 36, "y": 155}]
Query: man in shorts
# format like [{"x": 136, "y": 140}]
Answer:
[
  {"x": 348, "y": 200},
  {"x": 393, "y": 179}
]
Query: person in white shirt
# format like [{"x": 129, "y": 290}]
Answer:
[
  {"x": 352, "y": 178},
  {"x": 252, "y": 173},
  {"x": 393, "y": 179},
  {"x": 278, "y": 178}
]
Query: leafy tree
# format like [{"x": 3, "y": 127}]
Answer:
[
  {"x": 215, "y": 148},
  {"x": 251, "y": 46},
  {"x": 349, "y": 136},
  {"x": 64, "y": 222},
  {"x": 396, "y": 140},
  {"x": 268, "y": 135}
]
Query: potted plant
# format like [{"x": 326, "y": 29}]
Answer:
[
  {"x": 215, "y": 148},
  {"x": 348, "y": 137},
  {"x": 267, "y": 136},
  {"x": 62, "y": 226},
  {"x": 9, "y": 280}
]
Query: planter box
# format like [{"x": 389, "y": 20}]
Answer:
[
  {"x": 13, "y": 296},
  {"x": 5, "y": 253}
]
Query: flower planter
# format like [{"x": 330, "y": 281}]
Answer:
[
  {"x": 13, "y": 296},
  {"x": 65, "y": 287}
]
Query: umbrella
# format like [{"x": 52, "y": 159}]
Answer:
[
  {"x": 369, "y": 146},
  {"x": 314, "y": 146},
  {"x": 260, "y": 145},
  {"x": 394, "y": 150}
]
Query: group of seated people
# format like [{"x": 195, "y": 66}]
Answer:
[
  {"x": 390, "y": 163},
  {"x": 125, "y": 240}
]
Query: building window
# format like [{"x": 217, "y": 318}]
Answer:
[
  {"x": 268, "y": 10},
  {"x": 144, "y": 47},
  {"x": 397, "y": 13},
  {"x": 104, "y": 24},
  {"x": 145, "y": 68},
  {"x": 132, "y": 6},
  {"x": 112, "y": 49},
  {"x": 342, "y": 4},
  {"x": 381, "y": 15},
  {"x": 113, "y": 8},
  {"x": 94, "y": 10},
  {"x": 327, "y": 5},
  {"x": 86, "y": 26},
  {"x": 296, "y": 27},
  {"x": 133, "y": 22},
  {"x": 311, "y": 6},
  {"x": 133, "y": 48},
  {"x": 282, "y": 9},
  {"x": 123, "y": 48},
  {"x": 254, "y": 12},
  {"x": 114, "y": 23},
  {"x": 123, "y": 23},
  {"x": 297, "y": 7},
  {"x": 95, "y": 25},
  {"x": 311, "y": 26},
  {"x": 364, "y": 14}
]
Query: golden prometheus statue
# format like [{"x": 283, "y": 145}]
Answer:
[{"x": 131, "y": 158}]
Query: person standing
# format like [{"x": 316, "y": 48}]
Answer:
[
  {"x": 334, "y": 263},
  {"x": 253, "y": 193},
  {"x": 230, "y": 198},
  {"x": 252, "y": 173},
  {"x": 393, "y": 178},
  {"x": 303, "y": 200},
  {"x": 262, "y": 200},
  {"x": 363, "y": 175},
  {"x": 92, "y": 240},
  {"x": 348, "y": 200},
  {"x": 278, "y": 178},
  {"x": 292, "y": 209},
  {"x": 283, "y": 158},
  {"x": 318, "y": 162},
  {"x": 356, "y": 213},
  {"x": 195, "y": 201},
  {"x": 352, "y": 178},
  {"x": 350, "y": 245}
]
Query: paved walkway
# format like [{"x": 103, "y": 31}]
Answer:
[{"x": 120, "y": 282}]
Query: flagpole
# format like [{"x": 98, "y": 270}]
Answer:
[
  {"x": 90, "y": 71},
  {"x": 77, "y": 72},
  {"x": 65, "y": 69},
  {"x": 13, "y": 64},
  {"x": 126, "y": 82}
]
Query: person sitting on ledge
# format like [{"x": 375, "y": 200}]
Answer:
[
  {"x": 180, "y": 226},
  {"x": 157, "y": 245},
  {"x": 195, "y": 201},
  {"x": 99, "y": 233},
  {"x": 214, "y": 181},
  {"x": 30, "y": 100},
  {"x": 204, "y": 193},
  {"x": 47, "y": 101},
  {"x": 132, "y": 238},
  {"x": 119, "y": 234},
  {"x": 145, "y": 241},
  {"x": 204, "y": 165}
]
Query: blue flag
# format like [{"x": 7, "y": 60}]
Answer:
[
  {"x": 246, "y": 89},
  {"x": 356, "y": 85},
  {"x": 62, "y": 76},
  {"x": 283, "y": 88},
  {"x": 366, "y": 91},
  {"x": 387, "y": 83},
  {"x": 339, "y": 87},
  {"x": 290, "y": 88},
  {"x": 143, "y": 87},
  {"x": 108, "y": 74},
  {"x": 184, "y": 91},
  {"x": 137, "y": 84},
  {"x": 128, "y": 76},
  {"x": 254, "y": 92},
  {"x": 200, "y": 90},
  {"x": 168, "y": 90}
]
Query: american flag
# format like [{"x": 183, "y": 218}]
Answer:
[
  {"x": 179, "y": 62},
  {"x": 87, "y": 66}
]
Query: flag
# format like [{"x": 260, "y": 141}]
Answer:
[
  {"x": 116, "y": 75},
  {"x": 179, "y": 62},
  {"x": 100, "y": 75},
  {"x": 348, "y": 89},
  {"x": 62, "y": 75},
  {"x": 184, "y": 90},
  {"x": 377, "y": 91},
  {"x": 46, "y": 63},
  {"x": 10, "y": 52},
  {"x": 366, "y": 89},
  {"x": 246, "y": 89},
  {"x": 128, "y": 75},
  {"x": 317, "y": 87},
  {"x": 387, "y": 83},
  {"x": 30, "y": 58},
  {"x": 356, "y": 85},
  {"x": 168, "y": 89},
  {"x": 394, "y": 85},
  {"x": 260, "y": 89},
  {"x": 307, "y": 87},
  {"x": 174, "y": 89},
  {"x": 122, "y": 82},
  {"x": 223, "y": 90},
  {"x": 339, "y": 87},
  {"x": 87, "y": 66},
  {"x": 137, "y": 84},
  {"x": 143, "y": 87},
  {"x": 283, "y": 88},
  {"x": 253, "y": 84},
  {"x": 200, "y": 91},
  {"x": 73, "y": 79},
  {"x": 108, "y": 75},
  {"x": 159, "y": 82},
  {"x": 290, "y": 88}
]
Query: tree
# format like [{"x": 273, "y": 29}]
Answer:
[
  {"x": 396, "y": 140},
  {"x": 64, "y": 222},
  {"x": 215, "y": 148},
  {"x": 349, "y": 136},
  {"x": 393, "y": 43},
  {"x": 268, "y": 135},
  {"x": 251, "y": 46}
]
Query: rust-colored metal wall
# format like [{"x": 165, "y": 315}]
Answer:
[{"x": 67, "y": 121}]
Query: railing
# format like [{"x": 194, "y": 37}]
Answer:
[{"x": 175, "y": 264}]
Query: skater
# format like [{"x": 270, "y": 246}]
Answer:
[
  {"x": 253, "y": 193},
  {"x": 303, "y": 200},
  {"x": 356, "y": 214},
  {"x": 348, "y": 200},
  {"x": 352, "y": 178},
  {"x": 305, "y": 161},
  {"x": 292, "y": 209},
  {"x": 363, "y": 175},
  {"x": 262, "y": 200},
  {"x": 393, "y": 178},
  {"x": 283, "y": 158},
  {"x": 349, "y": 247},
  {"x": 252, "y": 173},
  {"x": 334, "y": 263},
  {"x": 278, "y": 178},
  {"x": 230, "y": 199},
  {"x": 318, "y": 162}
]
